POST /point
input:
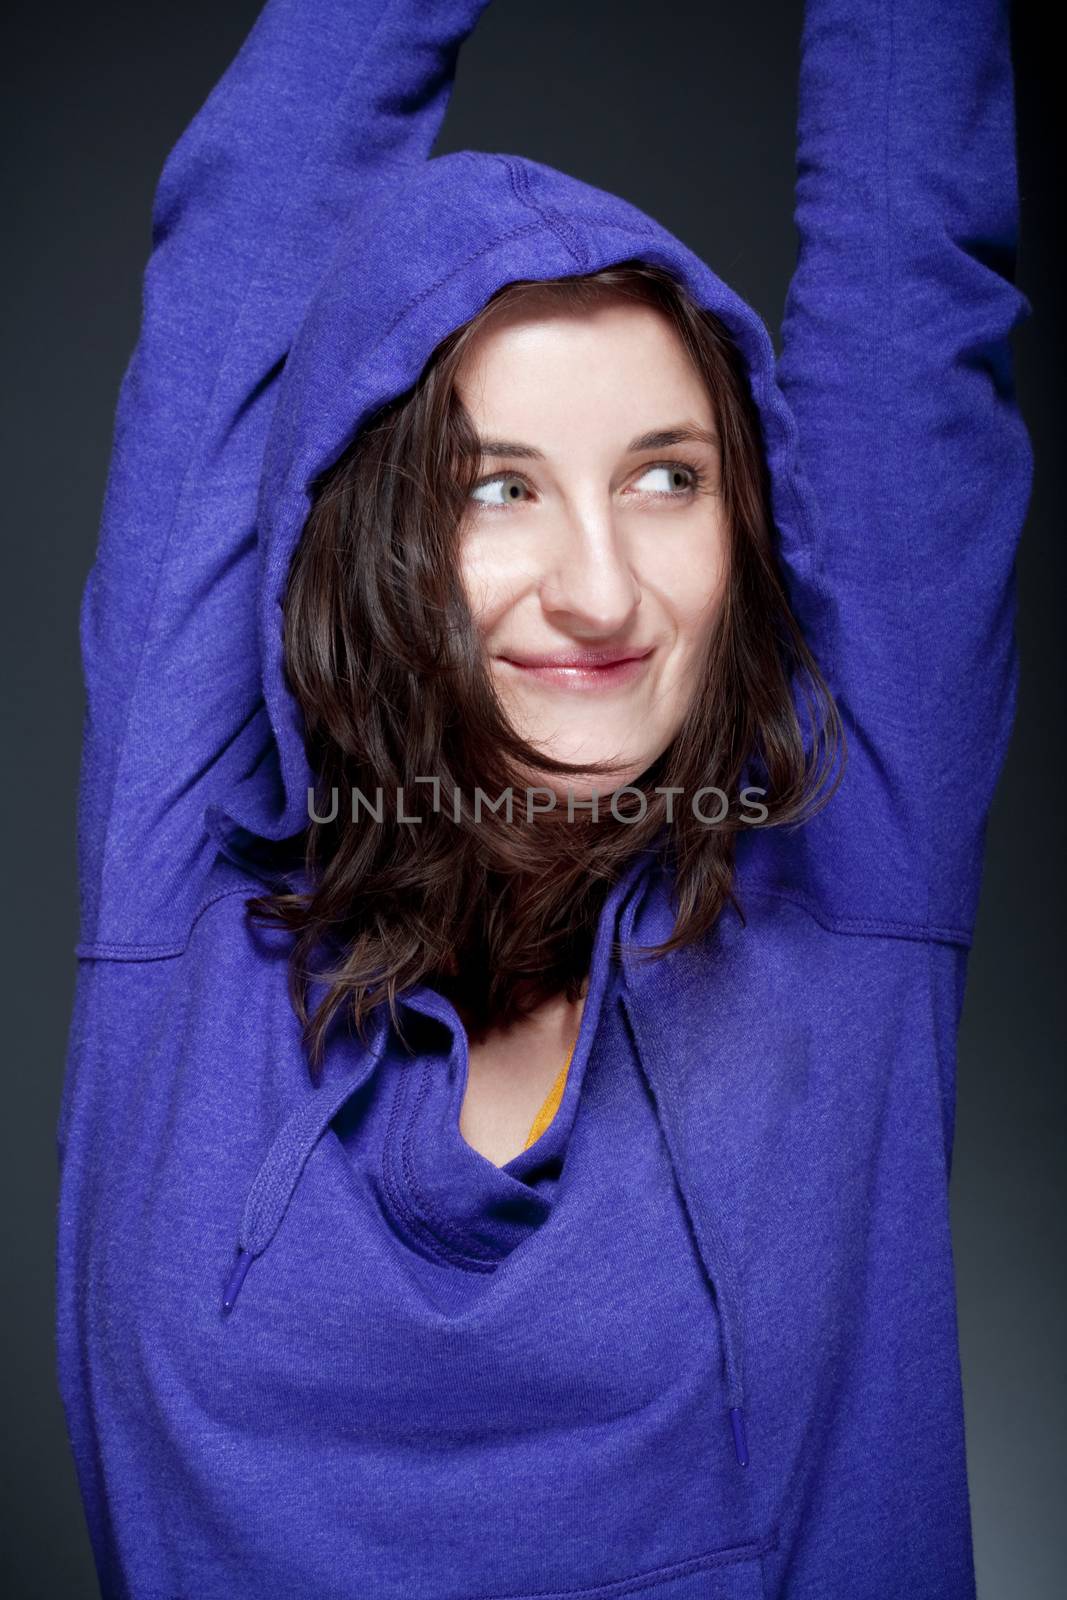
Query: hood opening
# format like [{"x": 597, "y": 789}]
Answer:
[{"x": 420, "y": 259}]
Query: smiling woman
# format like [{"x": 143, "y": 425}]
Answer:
[{"x": 462, "y": 1204}]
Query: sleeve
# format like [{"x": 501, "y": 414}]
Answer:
[
  {"x": 323, "y": 99},
  {"x": 897, "y": 366}
]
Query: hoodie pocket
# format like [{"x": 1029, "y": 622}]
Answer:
[{"x": 735, "y": 1573}]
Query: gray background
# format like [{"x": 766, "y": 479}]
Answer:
[{"x": 688, "y": 111}]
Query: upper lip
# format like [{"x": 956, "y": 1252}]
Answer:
[{"x": 580, "y": 658}]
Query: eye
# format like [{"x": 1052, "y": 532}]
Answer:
[
  {"x": 511, "y": 487},
  {"x": 676, "y": 478}
]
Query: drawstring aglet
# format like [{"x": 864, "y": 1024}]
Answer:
[
  {"x": 237, "y": 1277},
  {"x": 737, "y": 1423}
]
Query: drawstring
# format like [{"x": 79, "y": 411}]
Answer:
[
  {"x": 274, "y": 1183},
  {"x": 710, "y": 1244}
]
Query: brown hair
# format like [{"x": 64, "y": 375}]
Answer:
[{"x": 384, "y": 660}]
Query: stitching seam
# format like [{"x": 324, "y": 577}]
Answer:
[
  {"x": 860, "y": 927},
  {"x": 552, "y": 219},
  {"x": 95, "y": 951},
  {"x": 417, "y": 1225}
]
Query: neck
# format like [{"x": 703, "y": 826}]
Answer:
[{"x": 553, "y": 1018}]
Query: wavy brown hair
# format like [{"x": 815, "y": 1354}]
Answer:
[{"x": 385, "y": 662}]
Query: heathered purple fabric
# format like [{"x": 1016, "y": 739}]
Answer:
[{"x": 700, "y": 1340}]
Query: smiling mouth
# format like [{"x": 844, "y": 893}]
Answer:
[{"x": 583, "y": 672}]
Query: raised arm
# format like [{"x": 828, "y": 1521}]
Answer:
[
  {"x": 896, "y": 363},
  {"x": 322, "y": 101}
]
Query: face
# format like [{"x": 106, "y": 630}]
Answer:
[{"x": 594, "y": 547}]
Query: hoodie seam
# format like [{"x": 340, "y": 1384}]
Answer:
[
  {"x": 92, "y": 950},
  {"x": 439, "y": 283},
  {"x": 669, "y": 1572},
  {"x": 433, "y": 1222},
  {"x": 848, "y": 927},
  {"x": 546, "y": 221},
  {"x": 863, "y": 927},
  {"x": 552, "y": 219},
  {"x": 423, "y": 1234}
]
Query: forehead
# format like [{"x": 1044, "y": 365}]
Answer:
[{"x": 620, "y": 360}]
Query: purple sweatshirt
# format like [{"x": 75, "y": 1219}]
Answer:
[{"x": 698, "y": 1341}]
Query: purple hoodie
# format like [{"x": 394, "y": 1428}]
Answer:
[{"x": 698, "y": 1341}]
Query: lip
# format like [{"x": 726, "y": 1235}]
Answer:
[{"x": 585, "y": 670}]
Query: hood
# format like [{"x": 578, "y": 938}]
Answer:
[{"x": 421, "y": 257}]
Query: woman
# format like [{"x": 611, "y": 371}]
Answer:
[{"x": 369, "y": 1284}]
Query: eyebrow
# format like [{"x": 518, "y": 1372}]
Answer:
[{"x": 658, "y": 439}]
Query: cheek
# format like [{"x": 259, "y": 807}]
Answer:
[
  {"x": 493, "y": 577},
  {"x": 689, "y": 580}
]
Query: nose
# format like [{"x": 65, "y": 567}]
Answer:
[{"x": 590, "y": 586}]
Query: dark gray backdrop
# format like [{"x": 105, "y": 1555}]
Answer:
[{"x": 688, "y": 111}]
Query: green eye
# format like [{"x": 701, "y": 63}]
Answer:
[
  {"x": 511, "y": 488},
  {"x": 678, "y": 478}
]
